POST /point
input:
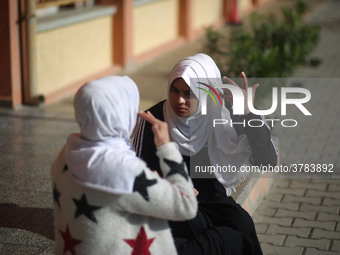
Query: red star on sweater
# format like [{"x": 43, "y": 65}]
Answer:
[
  {"x": 183, "y": 195},
  {"x": 70, "y": 242},
  {"x": 141, "y": 244}
]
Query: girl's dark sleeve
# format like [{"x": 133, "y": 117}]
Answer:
[
  {"x": 143, "y": 143},
  {"x": 143, "y": 140},
  {"x": 261, "y": 142}
]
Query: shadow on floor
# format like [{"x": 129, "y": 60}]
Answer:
[{"x": 36, "y": 220}]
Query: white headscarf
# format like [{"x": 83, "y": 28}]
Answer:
[
  {"x": 196, "y": 131},
  {"x": 100, "y": 156}
]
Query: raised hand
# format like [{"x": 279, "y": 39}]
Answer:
[
  {"x": 159, "y": 128},
  {"x": 244, "y": 88}
]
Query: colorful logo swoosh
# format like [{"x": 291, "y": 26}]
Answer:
[{"x": 213, "y": 90}]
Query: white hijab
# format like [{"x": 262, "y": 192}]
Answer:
[
  {"x": 100, "y": 156},
  {"x": 193, "y": 133}
]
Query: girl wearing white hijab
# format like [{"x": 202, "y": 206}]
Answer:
[
  {"x": 106, "y": 200},
  {"x": 201, "y": 144}
]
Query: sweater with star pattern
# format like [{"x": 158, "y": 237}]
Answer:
[{"x": 89, "y": 221}]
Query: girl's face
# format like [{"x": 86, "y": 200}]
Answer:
[{"x": 182, "y": 100}]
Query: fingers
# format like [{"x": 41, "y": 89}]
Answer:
[
  {"x": 255, "y": 86},
  {"x": 196, "y": 192},
  {"x": 244, "y": 81},
  {"x": 161, "y": 133},
  {"x": 148, "y": 117},
  {"x": 158, "y": 127},
  {"x": 227, "y": 96},
  {"x": 229, "y": 81}
]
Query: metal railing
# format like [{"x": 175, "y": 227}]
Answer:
[{"x": 50, "y": 3}]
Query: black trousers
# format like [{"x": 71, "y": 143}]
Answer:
[{"x": 221, "y": 227}]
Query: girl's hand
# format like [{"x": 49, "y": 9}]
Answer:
[
  {"x": 244, "y": 89},
  {"x": 159, "y": 128},
  {"x": 196, "y": 192}
]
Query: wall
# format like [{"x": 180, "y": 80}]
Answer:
[
  {"x": 244, "y": 5},
  {"x": 68, "y": 54},
  {"x": 154, "y": 23},
  {"x": 10, "y": 73},
  {"x": 206, "y": 13},
  {"x": 66, "y": 57}
]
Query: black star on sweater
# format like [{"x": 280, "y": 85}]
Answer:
[
  {"x": 141, "y": 184},
  {"x": 176, "y": 168},
  {"x": 84, "y": 208},
  {"x": 56, "y": 195}
]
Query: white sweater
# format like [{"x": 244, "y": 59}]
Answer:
[{"x": 89, "y": 221}]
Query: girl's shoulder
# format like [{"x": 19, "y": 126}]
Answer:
[{"x": 157, "y": 110}]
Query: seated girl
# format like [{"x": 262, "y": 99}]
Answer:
[
  {"x": 203, "y": 144},
  {"x": 106, "y": 199}
]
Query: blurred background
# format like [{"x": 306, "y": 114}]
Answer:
[{"x": 49, "y": 48}]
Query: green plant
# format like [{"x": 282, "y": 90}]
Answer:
[{"x": 269, "y": 47}]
